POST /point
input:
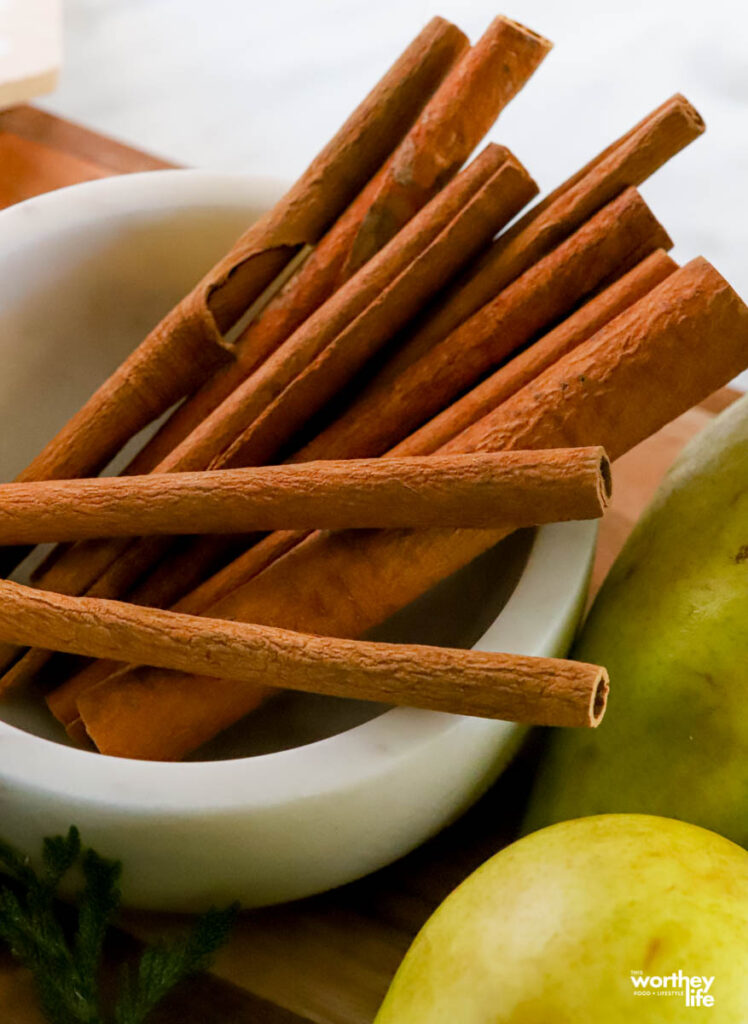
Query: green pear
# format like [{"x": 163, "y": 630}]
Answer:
[
  {"x": 671, "y": 626},
  {"x": 600, "y": 919}
]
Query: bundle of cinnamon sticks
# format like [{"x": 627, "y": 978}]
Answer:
[{"x": 416, "y": 380}]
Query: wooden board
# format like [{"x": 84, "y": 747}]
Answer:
[
  {"x": 40, "y": 152},
  {"x": 330, "y": 959}
]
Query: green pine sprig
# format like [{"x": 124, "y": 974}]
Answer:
[{"x": 66, "y": 967}]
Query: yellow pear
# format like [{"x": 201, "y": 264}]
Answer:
[{"x": 612, "y": 920}]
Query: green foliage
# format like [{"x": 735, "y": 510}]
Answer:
[
  {"x": 66, "y": 968},
  {"x": 162, "y": 966}
]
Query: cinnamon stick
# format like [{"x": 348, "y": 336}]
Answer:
[
  {"x": 464, "y": 108},
  {"x": 466, "y": 490},
  {"x": 389, "y": 409},
  {"x": 629, "y": 160},
  {"x": 683, "y": 340},
  {"x": 657, "y": 137},
  {"x": 536, "y": 691},
  {"x": 451, "y": 124}
]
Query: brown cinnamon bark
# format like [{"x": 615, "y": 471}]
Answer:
[
  {"x": 390, "y": 408},
  {"x": 501, "y": 385},
  {"x": 630, "y": 160},
  {"x": 536, "y": 691},
  {"x": 360, "y": 315},
  {"x": 691, "y": 331},
  {"x": 508, "y": 379},
  {"x": 486, "y": 490},
  {"x": 627, "y": 162},
  {"x": 450, "y": 126}
]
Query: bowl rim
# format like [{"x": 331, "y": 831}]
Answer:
[{"x": 557, "y": 567}]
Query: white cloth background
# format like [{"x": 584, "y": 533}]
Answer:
[{"x": 259, "y": 86}]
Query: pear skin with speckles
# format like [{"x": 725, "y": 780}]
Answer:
[
  {"x": 671, "y": 625},
  {"x": 593, "y": 921}
]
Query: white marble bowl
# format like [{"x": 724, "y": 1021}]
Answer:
[{"x": 309, "y": 793}]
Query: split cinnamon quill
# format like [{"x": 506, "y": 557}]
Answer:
[
  {"x": 691, "y": 332},
  {"x": 188, "y": 344},
  {"x": 385, "y": 293},
  {"x": 486, "y": 490},
  {"x": 450, "y": 126}
]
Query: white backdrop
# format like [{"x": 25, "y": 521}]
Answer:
[{"x": 259, "y": 86}]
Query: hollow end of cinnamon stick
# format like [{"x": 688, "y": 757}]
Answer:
[
  {"x": 543, "y": 43},
  {"x": 689, "y": 111},
  {"x": 606, "y": 480},
  {"x": 599, "y": 699}
]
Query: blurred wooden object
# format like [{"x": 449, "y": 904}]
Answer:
[
  {"x": 40, "y": 152},
  {"x": 30, "y": 48},
  {"x": 330, "y": 959}
]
